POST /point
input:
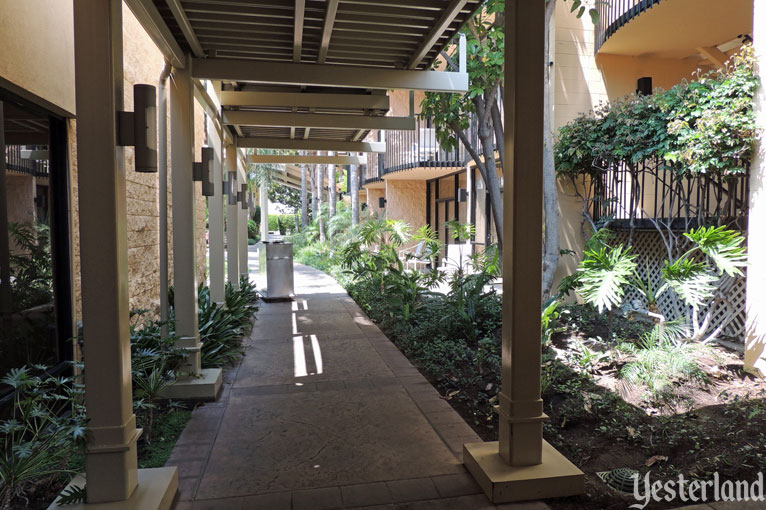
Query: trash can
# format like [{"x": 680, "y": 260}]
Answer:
[{"x": 276, "y": 266}]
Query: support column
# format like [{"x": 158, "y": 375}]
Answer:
[
  {"x": 354, "y": 184},
  {"x": 521, "y": 465},
  {"x": 194, "y": 383},
  {"x": 263, "y": 195},
  {"x": 304, "y": 198},
  {"x": 243, "y": 217},
  {"x": 184, "y": 245},
  {"x": 315, "y": 197},
  {"x": 232, "y": 232},
  {"x": 755, "y": 326},
  {"x": 111, "y": 461},
  {"x": 215, "y": 220}
]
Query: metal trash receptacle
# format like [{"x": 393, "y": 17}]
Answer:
[{"x": 276, "y": 265}]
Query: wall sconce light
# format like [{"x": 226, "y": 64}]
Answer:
[
  {"x": 232, "y": 182},
  {"x": 382, "y": 202},
  {"x": 644, "y": 86},
  {"x": 242, "y": 196},
  {"x": 139, "y": 128},
  {"x": 462, "y": 195},
  {"x": 203, "y": 169}
]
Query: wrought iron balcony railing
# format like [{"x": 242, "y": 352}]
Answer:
[
  {"x": 15, "y": 163},
  {"x": 614, "y": 14},
  {"x": 418, "y": 148},
  {"x": 653, "y": 194}
]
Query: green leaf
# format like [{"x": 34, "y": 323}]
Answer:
[{"x": 594, "y": 16}]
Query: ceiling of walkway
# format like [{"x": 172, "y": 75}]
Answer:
[{"x": 371, "y": 35}]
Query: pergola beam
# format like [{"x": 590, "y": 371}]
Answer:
[
  {"x": 305, "y": 100},
  {"x": 300, "y": 9},
  {"x": 329, "y": 21},
  {"x": 447, "y": 17},
  {"x": 328, "y": 75},
  {"x": 312, "y": 145},
  {"x": 149, "y": 18},
  {"x": 279, "y": 159},
  {"x": 316, "y": 120},
  {"x": 183, "y": 22}
]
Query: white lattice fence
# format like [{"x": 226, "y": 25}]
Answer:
[{"x": 652, "y": 254}]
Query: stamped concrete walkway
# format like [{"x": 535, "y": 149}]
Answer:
[{"x": 324, "y": 412}]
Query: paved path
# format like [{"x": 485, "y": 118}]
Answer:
[{"x": 324, "y": 412}]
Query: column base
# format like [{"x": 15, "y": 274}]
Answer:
[
  {"x": 555, "y": 477},
  {"x": 205, "y": 388},
  {"x": 156, "y": 490}
]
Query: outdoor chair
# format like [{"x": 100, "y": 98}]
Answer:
[{"x": 412, "y": 256}]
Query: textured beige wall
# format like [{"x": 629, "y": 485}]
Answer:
[
  {"x": 406, "y": 202},
  {"x": 581, "y": 81},
  {"x": 37, "y": 41},
  {"x": 143, "y": 63},
  {"x": 755, "y": 327},
  {"x": 373, "y": 194},
  {"x": 21, "y": 198}
]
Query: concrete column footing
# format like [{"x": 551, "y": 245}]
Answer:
[
  {"x": 502, "y": 483},
  {"x": 156, "y": 490},
  {"x": 205, "y": 388}
]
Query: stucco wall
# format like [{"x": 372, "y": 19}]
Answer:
[
  {"x": 37, "y": 41},
  {"x": 406, "y": 202},
  {"x": 373, "y": 194},
  {"x": 142, "y": 63}
]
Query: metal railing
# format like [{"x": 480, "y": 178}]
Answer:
[
  {"x": 15, "y": 163},
  {"x": 653, "y": 192},
  {"x": 418, "y": 148},
  {"x": 614, "y": 14}
]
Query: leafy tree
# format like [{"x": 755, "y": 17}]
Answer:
[{"x": 485, "y": 38}]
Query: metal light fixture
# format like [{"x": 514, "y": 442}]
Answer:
[
  {"x": 231, "y": 193},
  {"x": 139, "y": 128},
  {"x": 462, "y": 195},
  {"x": 203, "y": 169},
  {"x": 242, "y": 196},
  {"x": 382, "y": 202}
]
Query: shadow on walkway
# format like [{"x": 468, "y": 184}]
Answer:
[{"x": 324, "y": 412}]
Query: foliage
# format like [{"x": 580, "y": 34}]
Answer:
[
  {"x": 253, "y": 230},
  {"x": 604, "y": 273},
  {"x": 285, "y": 195},
  {"x": 31, "y": 265},
  {"x": 282, "y": 222},
  {"x": 46, "y": 426},
  {"x": 168, "y": 426},
  {"x": 662, "y": 357},
  {"x": 706, "y": 126}
]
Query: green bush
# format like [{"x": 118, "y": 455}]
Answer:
[
  {"x": 253, "y": 230},
  {"x": 45, "y": 428}
]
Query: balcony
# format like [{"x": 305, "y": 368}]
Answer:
[{"x": 615, "y": 14}]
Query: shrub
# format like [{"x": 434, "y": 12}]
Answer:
[
  {"x": 253, "y": 230},
  {"x": 31, "y": 267},
  {"x": 46, "y": 426}
]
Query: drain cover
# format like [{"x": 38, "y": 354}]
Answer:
[{"x": 620, "y": 479}]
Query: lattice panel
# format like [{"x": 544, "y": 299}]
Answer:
[{"x": 652, "y": 254}]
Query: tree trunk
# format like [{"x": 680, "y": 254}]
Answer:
[
  {"x": 493, "y": 182},
  {"x": 354, "y": 183},
  {"x": 314, "y": 194},
  {"x": 497, "y": 124},
  {"x": 551, "y": 244},
  {"x": 320, "y": 198},
  {"x": 332, "y": 188},
  {"x": 304, "y": 199}
]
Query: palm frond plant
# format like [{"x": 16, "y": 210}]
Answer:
[
  {"x": 31, "y": 265},
  {"x": 45, "y": 428}
]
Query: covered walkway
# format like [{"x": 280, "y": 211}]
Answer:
[{"x": 324, "y": 412}]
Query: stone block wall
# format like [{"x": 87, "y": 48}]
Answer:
[{"x": 143, "y": 63}]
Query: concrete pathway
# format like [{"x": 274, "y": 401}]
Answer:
[{"x": 324, "y": 412}]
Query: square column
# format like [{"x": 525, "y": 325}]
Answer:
[
  {"x": 263, "y": 196},
  {"x": 193, "y": 383},
  {"x": 755, "y": 326},
  {"x": 215, "y": 219},
  {"x": 111, "y": 460},
  {"x": 521, "y": 465},
  {"x": 243, "y": 217},
  {"x": 232, "y": 216}
]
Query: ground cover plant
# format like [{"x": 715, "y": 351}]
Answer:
[
  {"x": 43, "y": 433},
  {"x": 620, "y": 390}
]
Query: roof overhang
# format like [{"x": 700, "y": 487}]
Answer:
[
  {"x": 256, "y": 142},
  {"x": 283, "y": 159}
]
